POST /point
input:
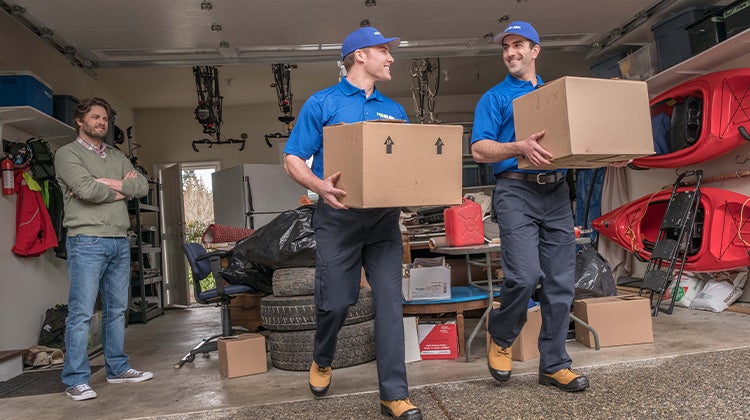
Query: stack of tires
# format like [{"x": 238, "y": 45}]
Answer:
[{"x": 289, "y": 314}]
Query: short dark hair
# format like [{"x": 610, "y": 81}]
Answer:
[
  {"x": 349, "y": 60},
  {"x": 84, "y": 106}
]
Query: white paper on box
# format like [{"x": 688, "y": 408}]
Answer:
[{"x": 411, "y": 340}]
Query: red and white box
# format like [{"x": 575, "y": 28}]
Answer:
[{"x": 438, "y": 340}]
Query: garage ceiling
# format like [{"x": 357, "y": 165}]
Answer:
[{"x": 144, "y": 49}]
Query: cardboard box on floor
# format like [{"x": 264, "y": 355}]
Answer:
[
  {"x": 244, "y": 310},
  {"x": 437, "y": 339},
  {"x": 588, "y": 122},
  {"x": 618, "y": 320},
  {"x": 526, "y": 345},
  {"x": 392, "y": 164},
  {"x": 242, "y": 355}
]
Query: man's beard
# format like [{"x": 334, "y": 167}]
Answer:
[{"x": 90, "y": 131}]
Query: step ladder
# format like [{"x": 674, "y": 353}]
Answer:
[{"x": 673, "y": 244}]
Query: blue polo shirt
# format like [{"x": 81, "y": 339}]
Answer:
[
  {"x": 493, "y": 117},
  {"x": 341, "y": 103}
]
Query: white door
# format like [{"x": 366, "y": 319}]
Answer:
[{"x": 175, "y": 264}]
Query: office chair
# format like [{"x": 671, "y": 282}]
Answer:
[{"x": 203, "y": 263}]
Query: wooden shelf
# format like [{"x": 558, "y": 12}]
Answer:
[{"x": 705, "y": 62}]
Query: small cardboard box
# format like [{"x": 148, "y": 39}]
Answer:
[
  {"x": 526, "y": 345},
  {"x": 588, "y": 122},
  {"x": 244, "y": 310},
  {"x": 427, "y": 283},
  {"x": 438, "y": 340},
  {"x": 619, "y": 320},
  {"x": 242, "y": 355},
  {"x": 387, "y": 164}
]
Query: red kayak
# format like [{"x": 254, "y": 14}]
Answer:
[
  {"x": 721, "y": 238},
  {"x": 704, "y": 118}
]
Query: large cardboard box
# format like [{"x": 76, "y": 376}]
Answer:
[
  {"x": 244, "y": 310},
  {"x": 242, "y": 355},
  {"x": 427, "y": 283},
  {"x": 588, "y": 122},
  {"x": 618, "y": 320},
  {"x": 387, "y": 164},
  {"x": 438, "y": 340}
]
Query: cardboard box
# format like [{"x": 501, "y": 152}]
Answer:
[
  {"x": 244, "y": 310},
  {"x": 438, "y": 340},
  {"x": 387, "y": 164},
  {"x": 411, "y": 340},
  {"x": 242, "y": 355},
  {"x": 427, "y": 283},
  {"x": 526, "y": 345},
  {"x": 588, "y": 122},
  {"x": 619, "y": 320}
]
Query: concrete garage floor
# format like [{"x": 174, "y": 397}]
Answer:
[{"x": 697, "y": 368}]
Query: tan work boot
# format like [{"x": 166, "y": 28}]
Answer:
[
  {"x": 400, "y": 409},
  {"x": 320, "y": 379},
  {"x": 565, "y": 379},
  {"x": 499, "y": 361}
]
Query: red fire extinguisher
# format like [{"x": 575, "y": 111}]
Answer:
[{"x": 8, "y": 177}]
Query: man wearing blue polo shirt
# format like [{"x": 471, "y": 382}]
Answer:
[
  {"x": 349, "y": 239},
  {"x": 535, "y": 219}
]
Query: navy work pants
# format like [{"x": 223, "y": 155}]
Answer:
[
  {"x": 346, "y": 241},
  {"x": 538, "y": 246}
]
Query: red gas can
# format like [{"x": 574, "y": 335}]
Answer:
[{"x": 463, "y": 224}]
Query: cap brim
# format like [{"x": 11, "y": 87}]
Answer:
[
  {"x": 392, "y": 42},
  {"x": 498, "y": 39}
]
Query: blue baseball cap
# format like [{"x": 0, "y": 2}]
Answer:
[
  {"x": 365, "y": 37},
  {"x": 518, "y": 27}
]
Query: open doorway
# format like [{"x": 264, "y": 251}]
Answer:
[{"x": 187, "y": 209}]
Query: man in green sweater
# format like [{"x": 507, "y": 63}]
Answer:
[{"x": 97, "y": 180}]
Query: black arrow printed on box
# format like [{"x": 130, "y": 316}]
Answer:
[
  {"x": 388, "y": 145},
  {"x": 439, "y": 144}
]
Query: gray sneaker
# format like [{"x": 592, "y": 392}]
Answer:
[
  {"x": 131, "y": 375},
  {"x": 80, "y": 392}
]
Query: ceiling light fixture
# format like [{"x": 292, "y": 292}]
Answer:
[
  {"x": 370, "y": 3},
  {"x": 206, "y": 5},
  {"x": 216, "y": 27},
  {"x": 504, "y": 18},
  {"x": 364, "y": 24}
]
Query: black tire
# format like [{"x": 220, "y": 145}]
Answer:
[
  {"x": 296, "y": 313},
  {"x": 298, "y": 281},
  {"x": 293, "y": 350}
]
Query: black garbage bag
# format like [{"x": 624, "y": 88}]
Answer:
[
  {"x": 593, "y": 274},
  {"x": 247, "y": 273},
  {"x": 286, "y": 241}
]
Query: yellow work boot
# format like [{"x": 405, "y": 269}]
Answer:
[
  {"x": 565, "y": 379},
  {"x": 499, "y": 361},
  {"x": 320, "y": 379},
  {"x": 400, "y": 409}
]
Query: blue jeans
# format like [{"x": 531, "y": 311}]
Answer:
[{"x": 96, "y": 264}]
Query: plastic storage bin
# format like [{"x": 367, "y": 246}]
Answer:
[
  {"x": 607, "y": 68},
  {"x": 737, "y": 17},
  {"x": 64, "y": 108},
  {"x": 706, "y": 33},
  {"x": 672, "y": 38},
  {"x": 641, "y": 64},
  {"x": 24, "y": 88}
]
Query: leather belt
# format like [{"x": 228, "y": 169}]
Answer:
[{"x": 538, "y": 178}]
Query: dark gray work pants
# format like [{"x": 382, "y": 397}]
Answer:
[
  {"x": 538, "y": 246},
  {"x": 346, "y": 241}
]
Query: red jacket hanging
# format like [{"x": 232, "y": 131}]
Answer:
[{"x": 34, "y": 231}]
